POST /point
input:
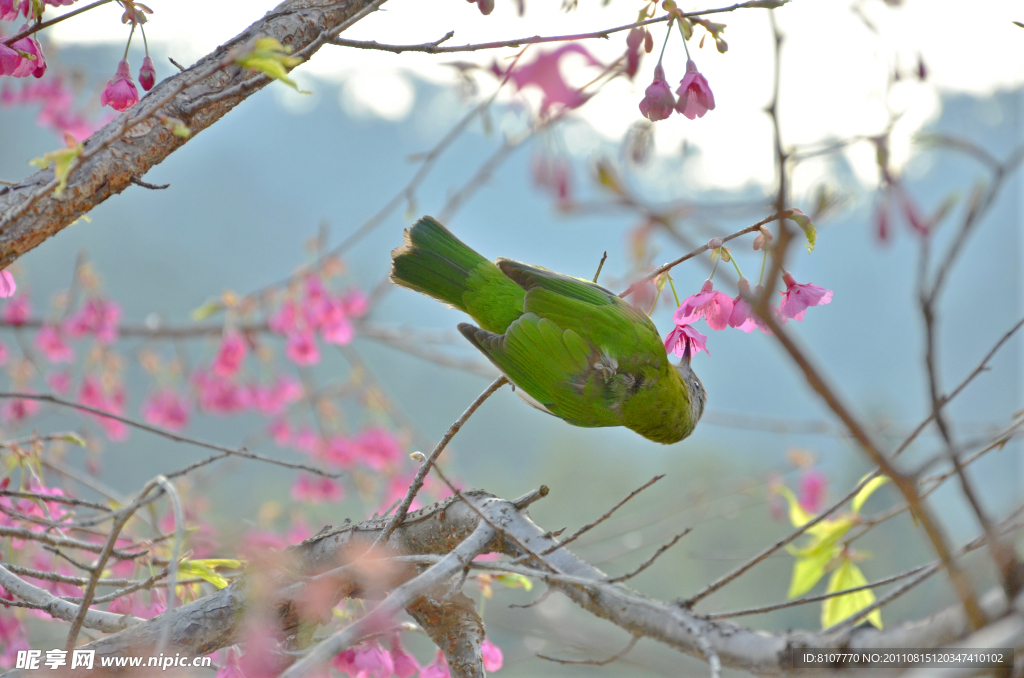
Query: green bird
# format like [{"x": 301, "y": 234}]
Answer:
[{"x": 570, "y": 347}]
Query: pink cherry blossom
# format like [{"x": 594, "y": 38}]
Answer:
[
  {"x": 339, "y": 331},
  {"x": 373, "y": 660},
  {"x": 50, "y": 342},
  {"x": 147, "y": 74},
  {"x": 97, "y": 316},
  {"x": 4, "y": 355},
  {"x": 17, "y": 311},
  {"x": 59, "y": 381},
  {"x": 15, "y": 410},
  {"x": 553, "y": 173},
  {"x": 634, "y": 40},
  {"x": 743, "y": 317},
  {"x": 714, "y": 306},
  {"x": 439, "y": 669},
  {"x": 355, "y": 303},
  {"x": 493, "y": 658},
  {"x": 316, "y": 490},
  {"x": 7, "y": 286},
  {"x": 685, "y": 341},
  {"x": 120, "y": 93},
  {"x": 272, "y": 400},
  {"x": 306, "y": 441},
  {"x": 339, "y": 451},
  {"x": 280, "y": 432},
  {"x": 545, "y": 73},
  {"x": 219, "y": 395},
  {"x": 302, "y": 348},
  {"x": 94, "y": 395},
  {"x": 378, "y": 448},
  {"x": 167, "y": 409},
  {"x": 231, "y": 354},
  {"x": 405, "y": 665},
  {"x": 284, "y": 321},
  {"x": 813, "y": 485},
  {"x": 9, "y": 59},
  {"x": 695, "y": 97},
  {"x": 799, "y": 296},
  {"x": 231, "y": 666},
  {"x": 27, "y": 66},
  {"x": 10, "y": 9},
  {"x": 658, "y": 102},
  {"x": 12, "y": 639}
]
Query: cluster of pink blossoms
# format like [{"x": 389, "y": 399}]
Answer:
[
  {"x": 695, "y": 97},
  {"x": 720, "y": 310},
  {"x": 321, "y": 312}
]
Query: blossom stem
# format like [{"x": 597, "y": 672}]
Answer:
[
  {"x": 715, "y": 267},
  {"x": 129, "y": 42},
  {"x": 736, "y": 266},
  {"x": 144, "y": 41},
  {"x": 674, "y": 294},
  {"x": 656, "y": 297},
  {"x": 665, "y": 44},
  {"x": 683, "y": 35},
  {"x": 764, "y": 259}
]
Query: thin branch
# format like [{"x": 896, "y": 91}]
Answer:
[
  {"x": 701, "y": 250},
  {"x": 152, "y": 187},
  {"x": 825, "y": 596},
  {"x": 589, "y": 526},
  {"x": 239, "y": 452},
  {"x": 650, "y": 561},
  {"x": 434, "y": 48},
  {"x": 36, "y": 27},
  {"x": 425, "y": 467},
  {"x": 595, "y": 662},
  {"x": 600, "y": 265}
]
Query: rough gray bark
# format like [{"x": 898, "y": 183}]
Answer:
[
  {"x": 456, "y": 628},
  {"x": 29, "y": 213}
]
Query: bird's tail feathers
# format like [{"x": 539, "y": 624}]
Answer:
[{"x": 434, "y": 262}]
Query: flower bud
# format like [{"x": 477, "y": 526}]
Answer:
[
  {"x": 721, "y": 45},
  {"x": 418, "y": 457},
  {"x": 714, "y": 243}
]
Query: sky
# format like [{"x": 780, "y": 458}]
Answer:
[{"x": 848, "y": 96}]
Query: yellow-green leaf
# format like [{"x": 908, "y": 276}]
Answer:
[
  {"x": 804, "y": 222},
  {"x": 797, "y": 515},
  {"x": 61, "y": 160},
  {"x": 835, "y": 610},
  {"x": 72, "y": 437},
  {"x": 807, "y": 571},
  {"x": 270, "y": 57},
  {"x": 206, "y": 310},
  {"x": 514, "y": 581},
  {"x": 867, "y": 491},
  {"x": 206, "y": 569}
]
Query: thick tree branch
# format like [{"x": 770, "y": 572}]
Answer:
[{"x": 29, "y": 213}]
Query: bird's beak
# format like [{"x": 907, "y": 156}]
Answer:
[{"x": 686, "y": 354}]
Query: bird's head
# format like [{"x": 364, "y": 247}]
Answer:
[{"x": 694, "y": 387}]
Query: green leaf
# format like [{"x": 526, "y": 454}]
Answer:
[
  {"x": 797, "y": 515},
  {"x": 61, "y": 160},
  {"x": 807, "y": 571},
  {"x": 270, "y": 57},
  {"x": 206, "y": 569},
  {"x": 206, "y": 310},
  {"x": 804, "y": 222},
  {"x": 72, "y": 437},
  {"x": 835, "y": 610},
  {"x": 867, "y": 491},
  {"x": 514, "y": 581}
]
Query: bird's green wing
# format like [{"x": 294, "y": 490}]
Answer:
[
  {"x": 602, "y": 319},
  {"x": 552, "y": 365}
]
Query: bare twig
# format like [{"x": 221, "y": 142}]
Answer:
[
  {"x": 596, "y": 662},
  {"x": 425, "y": 467},
  {"x": 239, "y": 452},
  {"x": 650, "y": 561}
]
